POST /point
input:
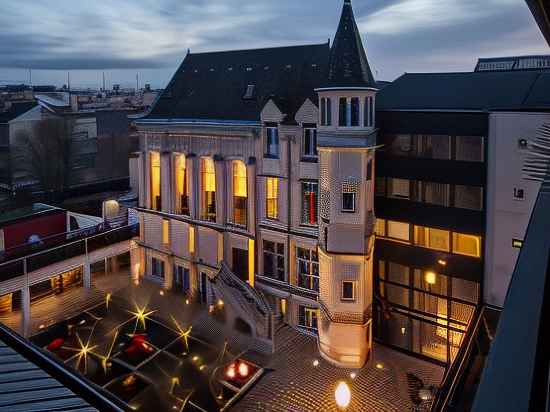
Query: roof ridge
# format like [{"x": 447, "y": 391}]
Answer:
[{"x": 259, "y": 48}]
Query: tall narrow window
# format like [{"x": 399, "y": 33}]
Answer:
[
  {"x": 308, "y": 317},
  {"x": 354, "y": 112},
  {"x": 343, "y": 110},
  {"x": 272, "y": 197},
  {"x": 274, "y": 260},
  {"x": 310, "y": 192},
  {"x": 369, "y": 112},
  {"x": 308, "y": 268},
  {"x": 272, "y": 142},
  {"x": 323, "y": 111},
  {"x": 182, "y": 186},
  {"x": 240, "y": 193},
  {"x": 208, "y": 185},
  {"x": 155, "y": 182},
  {"x": 329, "y": 112},
  {"x": 165, "y": 232},
  {"x": 309, "y": 145}
]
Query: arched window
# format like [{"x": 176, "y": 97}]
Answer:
[
  {"x": 240, "y": 193},
  {"x": 208, "y": 190},
  {"x": 155, "y": 181},
  {"x": 182, "y": 186}
]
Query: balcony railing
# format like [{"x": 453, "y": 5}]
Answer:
[{"x": 24, "y": 264}]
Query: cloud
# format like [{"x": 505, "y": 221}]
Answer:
[{"x": 419, "y": 15}]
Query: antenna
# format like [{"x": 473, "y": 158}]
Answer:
[
  {"x": 69, "y": 81},
  {"x": 30, "y": 77},
  {"x": 137, "y": 82}
]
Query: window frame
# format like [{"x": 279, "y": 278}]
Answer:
[
  {"x": 275, "y": 199},
  {"x": 275, "y": 255},
  {"x": 271, "y": 132},
  {"x": 309, "y": 156},
  {"x": 235, "y": 165},
  {"x": 315, "y": 205},
  {"x": 353, "y": 290},
  {"x": 354, "y": 202},
  {"x": 311, "y": 260}
]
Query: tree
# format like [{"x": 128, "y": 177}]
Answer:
[{"x": 48, "y": 152}]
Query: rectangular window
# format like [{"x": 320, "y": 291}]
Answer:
[
  {"x": 380, "y": 227},
  {"x": 272, "y": 197},
  {"x": 433, "y": 146},
  {"x": 208, "y": 184},
  {"x": 348, "y": 202},
  {"x": 323, "y": 111},
  {"x": 310, "y": 192},
  {"x": 516, "y": 243},
  {"x": 308, "y": 268},
  {"x": 157, "y": 268},
  {"x": 470, "y": 148},
  {"x": 369, "y": 112},
  {"x": 399, "y": 230},
  {"x": 343, "y": 110},
  {"x": 240, "y": 193},
  {"x": 155, "y": 181},
  {"x": 469, "y": 245},
  {"x": 165, "y": 232},
  {"x": 399, "y": 188},
  {"x": 431, "y": 238},
  {"x": 435, "y": 193},
  {"x": 369, "y": 170},
  {"x": 182, "y": 186},
  {"x": 348, "y": 290},
  {"x": 274, "y": 260},
  {"x": 272, "y": 142},
  {"x": 309, "y": 145},
  {"x": 329, "y": 112},
  {"x": 469, "y": 197},
  {"x": 307, "y": 317},
  {"x": 354, "y": 111}
]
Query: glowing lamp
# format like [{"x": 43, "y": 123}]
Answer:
[
  {"x": 243, "y": 370},
  {"x": 430, "y": 278},
  {"x": 442, "y": 262},
  {"x": 379, "y": 366},
  {"x": 220, "y": 303},
  {"x": 161, "y": 293},
  {"x": 342, "y": 395},
  {"x": 353, "y": 375},
  {"x": 230, "y": 373},
  {"x": 315, "y": 363}
]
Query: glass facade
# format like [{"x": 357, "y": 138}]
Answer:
[{"x": 423, "y": 311}]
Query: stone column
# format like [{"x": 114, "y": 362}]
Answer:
[
  {"x": 169, "y": 273},
  {"x": 166, "y": 181},
  {"x": 192, "y": 167},
  {"x": 147, "y": 178},
  {"x": 135, "y": 264},
  {"x": 221, "y": 190},
  {"x": 142, "y": 188},
  {"x": 87, "y": 274}
]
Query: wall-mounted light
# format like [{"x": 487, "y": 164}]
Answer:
[{"x": 430, "y": 278}]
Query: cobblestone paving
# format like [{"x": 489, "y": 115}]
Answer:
[{"x": 291, "y": 382}]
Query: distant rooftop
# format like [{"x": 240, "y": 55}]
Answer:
[
  {"x": 540, "y": 62},
  {"x": 26, "y": 212}
]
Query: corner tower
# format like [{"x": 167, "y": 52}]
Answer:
[{"x": 346, "y": 145}]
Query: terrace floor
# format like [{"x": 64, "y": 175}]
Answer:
[{"x": 389, "y": 382}]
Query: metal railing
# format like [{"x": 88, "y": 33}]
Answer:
[{"x": 21, "y": 265}]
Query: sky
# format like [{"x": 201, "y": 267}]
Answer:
[{"x": 150, "y": 38}]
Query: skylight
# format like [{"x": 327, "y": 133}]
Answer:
[{"x": 249, "y": 94}]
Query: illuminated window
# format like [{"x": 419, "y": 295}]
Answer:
[
  {"x": 182, "y": 186},
  {"x": 272, "y": 197},
  {"x": 468, "y": 245},
  {"x": 430, "y": 238},
  {"x": 191, "y": 239},
  {"x": 348, "y": 290},
  {"x": 310, "y": 192},
  {"x": 308, "y": 268},
  {"x": 240, "y": 193},
  {"x": 208, "y": 184},
  {"x": 399, "y": 230},
  {"x": 155, "y": 181},
  {"x": 307, "y": 317},
  {"x": 380, "y": 227},
  {"x": 165, "y": 232}
]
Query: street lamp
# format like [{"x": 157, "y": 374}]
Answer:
[{"x": 342, "y": 395}]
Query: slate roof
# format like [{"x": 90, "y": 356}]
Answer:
[
  {"x": 213, "y": 85},
  {"x": 348, "y": 65},
  {"x": 475, "y": 91}
]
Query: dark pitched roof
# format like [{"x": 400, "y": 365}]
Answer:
[
  {"x": 348, "y": 64},
  {"x": 16, "y": 110},
  {"x": 511, "y": 90},
  {"x": 213, "y": 85},
  {"x": 538, "y": 62}
]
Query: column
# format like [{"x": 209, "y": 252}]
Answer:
[
  {"x": 142, "y": 171},
  {"x": 221, "y": 190},
  {"x": 147, "y": 177},
  {"x": 87, "y": 274},
  {"x": 169, "y": 273},
  {"x": 135, "y": 264},
  {"x": 25, "y": 311},
  {"x": 192, "y": 167},
  {"x": 114, "y": 264},
  {"x": 166, "y": 180}
]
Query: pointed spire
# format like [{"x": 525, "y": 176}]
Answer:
[{"x": 348, "y": 65}]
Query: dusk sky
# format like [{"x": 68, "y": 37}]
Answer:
[{"x": 123, "y": 37}]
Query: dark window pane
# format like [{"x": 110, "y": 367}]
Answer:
[
  {"x": 343, "y": 120},
  {"x": 355, "y": 111},
  {"x": 347, "y": 290}
]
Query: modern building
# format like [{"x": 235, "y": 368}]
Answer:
[{"x": 277, "y": 181}]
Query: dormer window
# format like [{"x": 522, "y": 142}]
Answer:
[
  {"x": 249, "y": 94},
  {"x": 326, "y": 112},
  {"x": 272, "y": 141}
]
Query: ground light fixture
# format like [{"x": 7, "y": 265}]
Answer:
[{"x": 342, "y": 395}]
